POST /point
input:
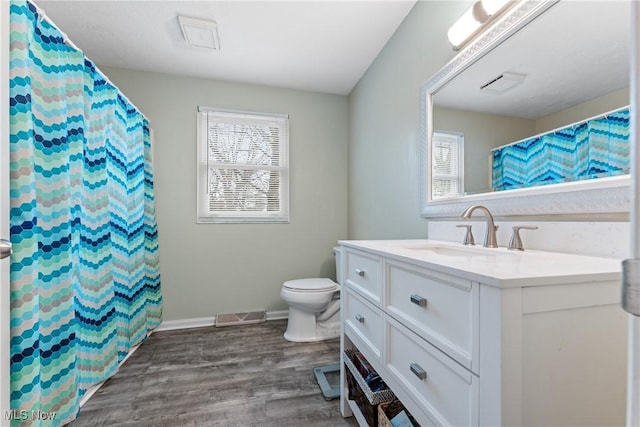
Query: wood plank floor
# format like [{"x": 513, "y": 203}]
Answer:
[{"x": 235, "y": 376}]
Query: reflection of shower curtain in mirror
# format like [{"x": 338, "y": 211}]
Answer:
[
  {"x": 595, "y": 148},
  {"x": 85, "y": 283}
]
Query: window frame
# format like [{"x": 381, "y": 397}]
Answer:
[
  {"x": 457, "y": 178},
  {"x": 203, "y": 214}
]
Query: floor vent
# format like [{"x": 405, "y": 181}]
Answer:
[{"x": 231, "y": 319}]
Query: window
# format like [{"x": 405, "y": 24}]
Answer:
[
  {"x": 447, "y": 164},
  {"x": 243, "y": 166}
]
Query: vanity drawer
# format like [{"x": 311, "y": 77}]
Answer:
[
  {"x": 447, "y": 392},
  {"x": 363, "y": 272},
  {"x": 363, "y": 322},
  {"x": 440, "y": 308}
]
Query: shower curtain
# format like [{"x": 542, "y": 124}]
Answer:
[
  {"x": 85, "y": 282},
  {"x": 595, "y": 148}
]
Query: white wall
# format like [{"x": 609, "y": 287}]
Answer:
[
  {"x": 383, "y": 141},
  {"x": 219, "y": 268}
]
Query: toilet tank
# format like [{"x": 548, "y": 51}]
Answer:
[{"x": 337, "y": 252}]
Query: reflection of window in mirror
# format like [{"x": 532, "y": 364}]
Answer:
[{"x": 447, "y": 164}]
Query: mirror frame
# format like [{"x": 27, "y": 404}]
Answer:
[{"x": 605, "y": 195}]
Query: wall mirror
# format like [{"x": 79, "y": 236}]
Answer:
[{"x": 543, "y": 67}]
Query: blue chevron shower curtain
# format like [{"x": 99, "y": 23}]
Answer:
[
  {"x": 85, "y": 282},
  {"x": 594, "y": 148}
]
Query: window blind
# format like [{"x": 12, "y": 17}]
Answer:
[
  {"x": 447, "y": 164},
  {"x": 243, "y": 167}
]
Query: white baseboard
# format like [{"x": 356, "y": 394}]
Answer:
[
  {"x": 199, "y": 322},
  {"x": 278, "y": 315}
]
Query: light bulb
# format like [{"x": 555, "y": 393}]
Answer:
[
  {"x": 463, "y": 28},
  {"x": 493, "y": 6}
]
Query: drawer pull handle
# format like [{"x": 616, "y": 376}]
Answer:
[
  {"x": 360, "y": 272},
  {"x": 418, "y": 300},
  {"x": 418, "y": 371},
  {"x": 360, "y": 318}
]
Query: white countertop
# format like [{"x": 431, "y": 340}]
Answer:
[{"x": 495, "y": 266}]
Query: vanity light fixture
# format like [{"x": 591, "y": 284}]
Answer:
[
  {"x": 503, "y": 83},
  {"x": 469, "y": 24},
  {"x": 200, "y": 33}
]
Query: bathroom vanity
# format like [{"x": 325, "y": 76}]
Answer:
[{"x": 485, "y": 336}]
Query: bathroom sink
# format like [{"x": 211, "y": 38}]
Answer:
[
  {"x": 452, "y": 250},
  {"x": 441, "y": 250}
]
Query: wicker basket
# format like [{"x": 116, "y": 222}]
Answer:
[
  {"x": 360, "y": 392},
  {"x": 388, "y": 410}
]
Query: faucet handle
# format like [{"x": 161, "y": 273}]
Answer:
[
  {"x": 468, "y": 237},
  {"x": 515, "y": 244}
]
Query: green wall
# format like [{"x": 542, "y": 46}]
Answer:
[
  {"x": 220, "y": 268},
  {"x": 384, "y": 110}
]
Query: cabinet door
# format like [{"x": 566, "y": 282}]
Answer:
[
  {"x": 442, "y": 309},
  {"x": 444, "y": 390}
]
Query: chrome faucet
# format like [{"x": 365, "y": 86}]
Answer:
[{"x": 490, "y": 240}]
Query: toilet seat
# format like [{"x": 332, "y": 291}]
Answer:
[{"x": 310, "y": 285}]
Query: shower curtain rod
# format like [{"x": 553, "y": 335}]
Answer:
[{"x": 71, "y": 44}]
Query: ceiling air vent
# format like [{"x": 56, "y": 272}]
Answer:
[
  {"x": 200, "y": 33},
  {"x": 503, "y": 83}
]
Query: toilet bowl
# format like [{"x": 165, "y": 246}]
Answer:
[{"x": 314, "y": 308}]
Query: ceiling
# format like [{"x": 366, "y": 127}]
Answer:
[{"x": 320, "y": 46}]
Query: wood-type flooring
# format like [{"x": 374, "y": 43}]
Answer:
[{"x": 234, "y": 376}]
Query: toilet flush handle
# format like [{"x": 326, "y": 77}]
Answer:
[{"x": 360, "y": 272}]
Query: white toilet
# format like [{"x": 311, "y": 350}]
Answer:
[{"x": 314, "y": 307}]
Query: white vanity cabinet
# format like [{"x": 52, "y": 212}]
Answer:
[{"x": 487, "y": 338}]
